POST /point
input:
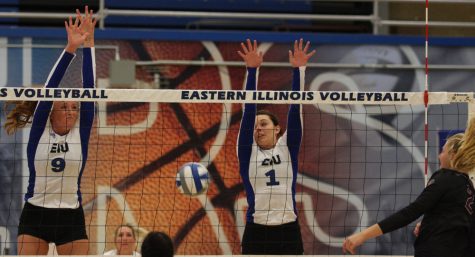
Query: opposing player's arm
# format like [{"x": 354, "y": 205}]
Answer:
[
  {"x": 436, "y": 188},
  {"x": 353, "y": 241},
  {"x": 429, "y": 197}
]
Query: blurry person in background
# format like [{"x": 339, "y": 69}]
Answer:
[
  {"x": 125, "y": 241},
  {"x": 157, "y": 244}
]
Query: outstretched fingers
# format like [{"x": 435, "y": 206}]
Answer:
[
  {"x": 249, "y": 45},
  {"x": 94, "y": 20},
  {"x": 241, "y": 54},
  {"x": 76, "y": 21},
  {"x": 244, "y": 48},
  {"x": 299, "y": 56},
  {"x": 311, "y": 53},
  {"x": 307, "y": 45},
  {"x": 250, "y": 54},
  {"x": 79, "y": 16}
]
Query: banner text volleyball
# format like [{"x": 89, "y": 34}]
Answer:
[{"x": 225, "y": 96}]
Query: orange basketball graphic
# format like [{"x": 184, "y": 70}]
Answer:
[{"x": 138, "y": 148}]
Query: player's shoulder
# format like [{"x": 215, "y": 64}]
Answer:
[
  {"x": 454, "y": 177},
  {"x": 448, "y": 177}
]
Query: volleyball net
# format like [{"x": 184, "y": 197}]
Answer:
[{"x": 362, "y": 158}]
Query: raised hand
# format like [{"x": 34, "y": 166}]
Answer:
[
  {"x": 250, "y": 55},
  {"x": 299, "y": 57},
  {"x": 88, "y": 23},
  {"x": 75, "y": 36}
]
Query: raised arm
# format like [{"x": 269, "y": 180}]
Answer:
[
  {"x": 87, "y": 27},
  {"x": 253, "y": 60},
  {"x": 87, "y": 109},
  {"x": 75, "y": 39},
  {"x": 298, "y": 58},
  {"x": 42, "y": 111}
]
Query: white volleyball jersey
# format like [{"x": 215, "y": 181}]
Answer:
[
  {"x": 271, "y": 176},
  {"x": 56, "y": 162}
]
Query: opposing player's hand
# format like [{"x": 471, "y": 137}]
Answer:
[
  {"x": 417, "y": 229},
  {"x": 75, "y": 36},
  {"x": 352, "y": 242},
  {"x": 250, "y": 55},
  {"x": 88, "y": 24},
  {"x": 299, "y": 57}
]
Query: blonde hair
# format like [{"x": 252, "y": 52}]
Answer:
[
  {"x": 453, "y": 142},
  {"x": 464, "y": 156},
  {"x": 19, "y": 115}
]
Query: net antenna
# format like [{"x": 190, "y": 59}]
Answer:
[{"x": 426, "y": 96}]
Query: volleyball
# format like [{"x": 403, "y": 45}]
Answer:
[{"x": 192, "y": 179}]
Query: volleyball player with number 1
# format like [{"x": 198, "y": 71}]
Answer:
[
  {"x": 57, "y": 153},
  {"x": 269, "y": 164}
]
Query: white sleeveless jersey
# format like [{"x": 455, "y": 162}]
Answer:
[
  {"x": 271, "y": 176},
  {"x": 58, "y": 163}
]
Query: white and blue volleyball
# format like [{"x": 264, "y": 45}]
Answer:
[{"x": 192, "y": 179}]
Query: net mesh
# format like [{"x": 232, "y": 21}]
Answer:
[{"x": 358, "y": 162}]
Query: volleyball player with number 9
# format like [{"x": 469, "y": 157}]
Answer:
[
  {"x": 56, "y": 154},
  {"x": 269, "y": 165}
]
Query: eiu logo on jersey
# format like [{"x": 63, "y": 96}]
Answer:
[
  {"x": 59, "y": 147},
  {"x": 271, "y": 161}
]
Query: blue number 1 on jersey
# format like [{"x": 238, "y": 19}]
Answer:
[{"x": 271, "y": 175}]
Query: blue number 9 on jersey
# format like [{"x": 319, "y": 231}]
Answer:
[
  {"x": 58, "y": 164},
  {"x": 192, "y": 179}
]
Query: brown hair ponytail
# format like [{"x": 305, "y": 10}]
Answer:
[{"x": 19, "y": 115}]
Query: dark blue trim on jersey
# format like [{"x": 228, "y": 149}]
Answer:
[
  {"x": 87, "y": 112},
  {"x": 294, "y": 134},
  {"x": 40, "y": 118},
  {"x": 245, "y": 142},
  {"x": 237, "y": 36}
]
